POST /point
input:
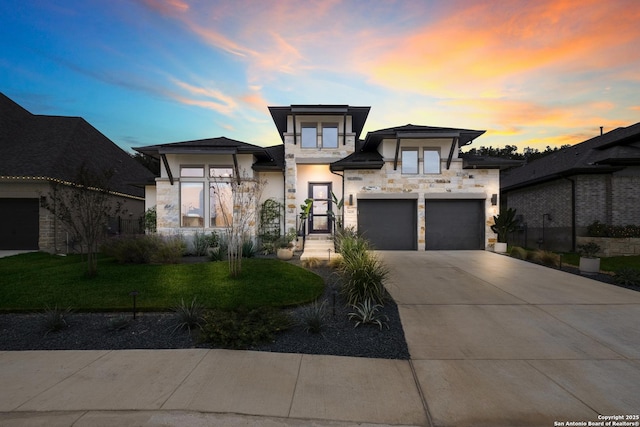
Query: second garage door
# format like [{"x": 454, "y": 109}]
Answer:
[
  {"x": 454, "y": 224},
  {"x": 389, "y": 224},
  {"x": 19, "y": 227}
]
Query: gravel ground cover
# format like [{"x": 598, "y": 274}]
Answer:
[{"x": 111, "y": 331}]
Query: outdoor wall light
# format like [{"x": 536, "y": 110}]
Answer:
[
  {"x": 350, "y": 199},
  {"x": 494, "y": 199}
]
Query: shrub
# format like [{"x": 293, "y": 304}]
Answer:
[
  {"x": 598, "y": 229},
  {"x": 188, "y": 315},
  {"x": 627, "y": 276},
  {"x": 118, "y": 323},
  {"x": 312, "y": 262},
  {"x": 366, "y": 313},
  {"x": 203, "y": 241},
  {"x": 588, "y": 250},
  {"x": 170, "y": 251},
  {"x": 518, "y": 252},
  {"x": 363, "y": 276},
  {"x": 145, "y": 249},
  {"x": 54, "y": 319},
  {"x": 241, "y": 328},
  {"x": 548, "y": 258},
  {"x": 248, "y": 249},
  {"x": 220, "y": 252},
  {"x": 313, "y": 317}
]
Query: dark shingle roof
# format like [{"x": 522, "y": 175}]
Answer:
[
  {"x": 33, "y": 146},
  {"x": 465, "y": 136},
  {"x": 604, "y": 153},
  {"x": 270, "y": 158}
]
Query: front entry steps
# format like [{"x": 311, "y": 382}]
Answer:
[{"x": 319, "y": 248}]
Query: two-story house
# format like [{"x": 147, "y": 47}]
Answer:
[{"x": 404, "y": 187}]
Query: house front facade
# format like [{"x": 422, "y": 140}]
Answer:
[{"x": 403, "y": 187}]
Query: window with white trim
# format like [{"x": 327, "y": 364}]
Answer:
[
  {"x": 431, "y": 160},
  {"x": 409, "y": 160}
]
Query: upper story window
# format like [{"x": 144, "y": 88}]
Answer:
[
  {"x": 410, "y": 160},
  {"x": 431, "y": 162},
  {"x": 192, "y": 172},
  {"x": 309, "y": 135},
  {"x": 330, "y": 135}
]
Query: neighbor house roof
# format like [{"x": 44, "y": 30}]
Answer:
[
  {"x": 603, "y": 154},
  {"x": 358, "y": 115},
  {"x": 55, "y": 147}
]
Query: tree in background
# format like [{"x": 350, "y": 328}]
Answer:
[
  {"x": 511, "y": 152},
  {"x": 84, "y": 208}
]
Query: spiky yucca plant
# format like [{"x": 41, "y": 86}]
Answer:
[{"x": 366, "y": 312}]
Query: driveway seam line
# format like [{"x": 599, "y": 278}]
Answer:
[
  {"x": 295, "y": 386},
  {"x": 184, "y": 379},
  {"x": 425, "y": 406}
]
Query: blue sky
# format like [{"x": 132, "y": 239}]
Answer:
[{"x": 155, "y": 71}]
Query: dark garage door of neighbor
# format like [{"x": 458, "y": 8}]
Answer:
[
  {"x": 19, "y": 228},
  {"x": 389, "y": 224},
  {"x": 454, "y": 224}
]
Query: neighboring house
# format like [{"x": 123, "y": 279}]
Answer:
[
  {"x": 403, "y": 187},
  {"x": 559, "y": 195},
  {"x": 36, "y": 151}
]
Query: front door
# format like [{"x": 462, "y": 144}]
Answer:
[{"x": 319, "y": 221}]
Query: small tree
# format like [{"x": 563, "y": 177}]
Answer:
[
  {"x": 239, "y": 216},
  {"x": 84, "y": 207}
]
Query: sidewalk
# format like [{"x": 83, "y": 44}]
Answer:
[{"x": 202, "y": 387}]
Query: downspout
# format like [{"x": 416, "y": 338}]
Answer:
[
  {"x": 573, "y": 213},
  {"x": 341, "y": 176}
]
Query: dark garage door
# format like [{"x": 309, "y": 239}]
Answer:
[
  {"x": 389, "y": 224},
  {"x": 19, "y": 227},
  {"x": 454, "y": 224}
]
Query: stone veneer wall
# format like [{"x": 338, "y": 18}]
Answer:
[
  {"x": 613, "y": 246},
  {"x": 450, "y": 184}
]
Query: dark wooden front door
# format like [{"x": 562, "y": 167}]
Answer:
[{"x": 319, "y": 220}]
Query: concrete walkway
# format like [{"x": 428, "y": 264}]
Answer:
[{"x": 494, "y": 341}]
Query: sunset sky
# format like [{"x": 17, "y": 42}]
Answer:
[{"x": 531, "y": 73}]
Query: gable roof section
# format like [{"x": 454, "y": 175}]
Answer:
[
  {"x": 603, "y": 154},
  {"x": 54, "y": 148},
  {"x": 465, "y": 136},
  {"x": 358, "y": 115}
]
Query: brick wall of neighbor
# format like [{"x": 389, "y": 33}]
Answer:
[
  {"x": 483, "y": 182},
  {"x": 553, "y": 198},
  {"x": 593, "y": 200},
  {"x": 625, "y": 189}
]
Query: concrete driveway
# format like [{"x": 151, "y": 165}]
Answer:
[{"x": 496, "y": 341}]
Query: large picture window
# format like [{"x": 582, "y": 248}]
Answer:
[
  {"x": 220, "y": 204},
  {"x": 192, "y": 204},
  {"x": 431, "y": 161},
  {"x": 410, "y": 160}
]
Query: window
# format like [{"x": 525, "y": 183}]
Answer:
[
  {"x": 431, "y": 160},
  {"x": 192, "y": 204},
  {"x": 192, "y": 171},
  {"x": 410, "y": 160},
  {"x": 220, "y": 172},
  {"x": 309, "y": 136},
  {"x": 220, "y": 204},
  {"x": 330, "y": 136}
]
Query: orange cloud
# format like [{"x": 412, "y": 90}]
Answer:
[
  {"x": 213, "y": 98},
  {"x": 485, "y": 46}
]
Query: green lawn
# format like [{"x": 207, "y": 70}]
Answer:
[
  {"x": 612, "y": 264},
  {"x": 35, "y": 280}
]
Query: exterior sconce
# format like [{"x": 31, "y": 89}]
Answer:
[
  {"x": 350, "y": 199},
  {"x": 494, "y": 199},
  {"x": 43, "y": 201}
]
